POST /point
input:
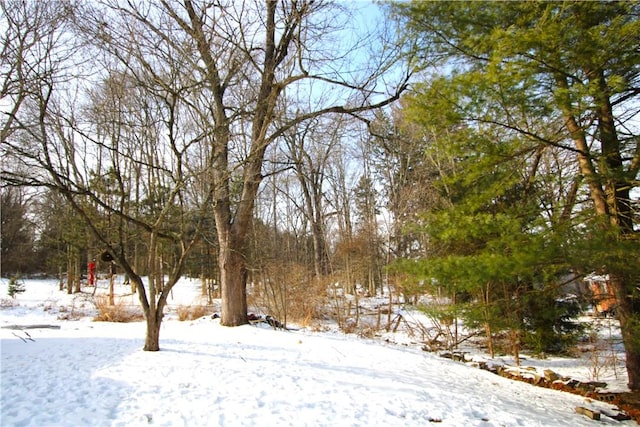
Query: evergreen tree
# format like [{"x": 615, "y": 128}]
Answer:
[
  {"x": 490, "y": 245},
  {"x": 550, "y": 321},
  {"x": 16, "y": 232},
  {"x": 16, "y": 286},
  {"x": 563, "y": 74}
]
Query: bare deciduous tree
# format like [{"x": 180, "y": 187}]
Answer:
[
  {"x": 94, "y": 146},
  {"x": 243, "y": 59}
]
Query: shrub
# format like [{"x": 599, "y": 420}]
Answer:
[
  {"x": 118, "y": 312},
  {"x": 286, "y": 292},
  {"x": 192, "y": 312}
]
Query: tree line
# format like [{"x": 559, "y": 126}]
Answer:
[{"x": 484, "y": 152}]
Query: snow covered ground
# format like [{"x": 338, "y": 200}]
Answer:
[{"x": 77, "y": 372}]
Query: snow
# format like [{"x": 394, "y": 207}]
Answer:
[{"x": 87, "y": 373}]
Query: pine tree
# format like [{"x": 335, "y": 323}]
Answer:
[
  {"x": 16, "y": 286},
  {"x": 564, "y": 74}
]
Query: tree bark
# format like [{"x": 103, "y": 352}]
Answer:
[
  {"x": 612, "y": 203},
  {"x": 620, "y": 213},
  {"x": 77, "y": 282},
  {"x": 112, "y": 300},
  {"x": 312, "y": 192},
  {"x": 152, "y": 338},
  {"x": 627, "y": 309},
  {"x": 153, "y": 314},
  {"x": 487, "y": 320},
  {"x": 233, "y": 277},
  {"x": 70, "y": 272},
  {"x": 585, "y": 163}
]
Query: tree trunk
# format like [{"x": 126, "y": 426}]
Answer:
[
  {"x": 152, "y": 339},
  {"x": 486, "y": 297},
  {"x": 77, "y": 283},
  {"x": 611, "y": 203},
  {"x": 112, "y": 300},
  {"x": 61, "y": 276},
  {"x": 320, "y": 262},
  {"x": 233, "y": 285},
  {"x": 514, "y": 336},
  {"x": 312, "y": 192},
  {"x": 153, "y": 314},
  {"x": 620, "y": 213},
  {"x": 70, "y": 272},
  {"x": 627, "y": 309},
  {"x": 489, "y": 335},
  {"x": 585, "y": 162}
]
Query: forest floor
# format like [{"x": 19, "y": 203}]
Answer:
[{"x": 405, "y": 332}]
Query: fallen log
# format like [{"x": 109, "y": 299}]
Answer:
[{"x": 23, "y": 327}]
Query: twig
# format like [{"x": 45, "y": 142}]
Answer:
[
  {"x": 19, "y": 337},
  {"x": 23, "y": 338}
]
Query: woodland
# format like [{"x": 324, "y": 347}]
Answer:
[{"x": 483, "y": 152}]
